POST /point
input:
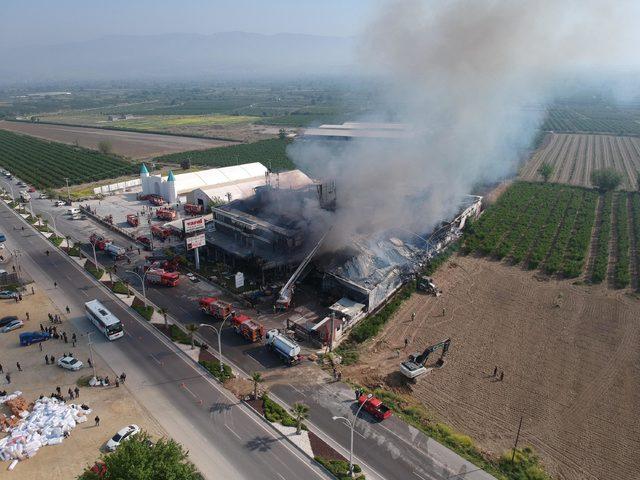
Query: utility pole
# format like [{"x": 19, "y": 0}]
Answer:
[
  {"x": 93, "y": 364},
  {"x": 68, "y": 191},
  {"x": 515, "y": 445}
]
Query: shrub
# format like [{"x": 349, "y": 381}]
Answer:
[
  {"x": 145, "y": 312},
  {"x": 606, "y": 179},
  {"x": 278, "y": 414},
  {"x": 93, "y": 270},
  {"x": 213, "y": 367},
  {"x": 339, "y": 468},
  {"x": 120, "y": 287}
]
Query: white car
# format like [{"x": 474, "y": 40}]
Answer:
[
  {"x": 8, "y": 294},
  {"x": 123, "y": 434},
  {"x": 43, "y": 196},
  {"x": 70, "y": 363},
  {"x": 59, "y": 203},
  {"x": 13, "y": 325}
]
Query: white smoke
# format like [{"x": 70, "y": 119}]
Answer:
[{"x": 464, "y": 75}]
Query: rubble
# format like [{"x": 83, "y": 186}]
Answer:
[{"x": 47, "y": 423}]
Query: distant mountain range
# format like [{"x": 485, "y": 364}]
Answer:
[{"x": 179, "y": 56}]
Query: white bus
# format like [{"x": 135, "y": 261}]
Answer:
[{"x": 104, "y": 320}]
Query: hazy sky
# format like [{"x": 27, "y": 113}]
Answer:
[{"x": 33, "y": 22}]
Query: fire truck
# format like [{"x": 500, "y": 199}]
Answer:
[
  {"x": 216, "y": 308},
  {"x": 160, "y": 232},
  {"x": 156, "y": 200},
  {"x": 99, "y": 241},
  {"x": 132, "y": 220},
  {"x": 248, "y": 328},
  {"x": 166, "y": 214},
  {"x": 158, "y": 276},
  {"x": 192, "y": 209}
]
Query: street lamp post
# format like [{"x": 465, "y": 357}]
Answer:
[
  {"x": 93, "y": 364},
  {"x": 142, "y": 278},
  {"x": 53, "y": 219},
  {"x": 10, "y": 188},
  {"x": 219, "y": 333},
  {"x": 95, "y": 258},
  {"x": 352, "y": 426}
]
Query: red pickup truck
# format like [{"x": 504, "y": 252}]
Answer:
[{"x": 375, "y": 407}]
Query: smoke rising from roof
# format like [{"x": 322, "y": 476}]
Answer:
[{"x": 465, "y": 75}]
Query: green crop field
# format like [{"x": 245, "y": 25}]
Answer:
[
  {"x": 271, "y": 153},
  {"x": 47, "y": 164},
  {"x": 594, "y": 118},
  {"x": 552, "y": 227},
  {"x": 539, "y": 226},
  {"x": 148, "y": 122}
]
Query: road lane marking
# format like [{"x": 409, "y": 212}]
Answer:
[
  {"x": 419, "y": 476},
  {"x": 296, "y": 390},
  {"x": 187, "y": 389},
  {"x": 155, "y": 359},
  {"x": 237, "y": 436}
]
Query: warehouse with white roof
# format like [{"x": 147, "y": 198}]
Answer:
[{"x": 219, "y": 185}]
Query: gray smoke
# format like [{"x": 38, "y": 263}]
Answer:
[{"x": 471, "y": 79}]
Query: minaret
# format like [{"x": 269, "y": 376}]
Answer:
[
  {"x": 144, "y": 174},
  {"x": 172, "y": 193}
]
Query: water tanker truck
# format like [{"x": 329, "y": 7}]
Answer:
[
  {"x": 114, "y": 251},
  {"x": 287, "y": 349}
]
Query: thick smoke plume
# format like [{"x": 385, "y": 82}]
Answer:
[{"x": 470, "y": 79}]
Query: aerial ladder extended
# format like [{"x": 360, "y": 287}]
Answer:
[
  {"x": 415, "y": 366},
  {"x": 286, "y": 292}
]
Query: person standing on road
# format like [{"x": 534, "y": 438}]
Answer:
[
  {"x": 55, "y": 284},
  {"x": 68, "y": 309},
  {"x": 97, "y": 420},
  {"x": 40, "y": 345},
  {"x": 59, "y": 390},
  {"x": 1, "y": 370},
  {"x": 495, "y": 371},
  {"x": 413, "y": 316},
  {"x": 77, "y": 392},
  {"x": 123, "y": 377},
  {"x": 41, "y": 328},
  {"x": 443, "y": 311},
  {"x": 27, "y": 315},
  {"x": 46, "y": 359},
  {"x": 8, "y": 377},
  {"x": 89, "y": 362},
  {"x": 18, "y": 366},
  {"x": 501, "y": 375},
  {"x": 64, "y": 337},
  {"x": 33, "y": 292},
  {"x": 53, "y": 360}
]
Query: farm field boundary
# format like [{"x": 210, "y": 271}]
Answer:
[
  {"x": 550, "y": 227},
  {"x": 575, "y": 156},
  {"x": 46, "y": 164}
]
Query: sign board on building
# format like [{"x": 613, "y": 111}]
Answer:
[
  {"x": 196, "y": 241},
  {"x": 193, "y": 224},
  {"x": 239, "y": 277}
]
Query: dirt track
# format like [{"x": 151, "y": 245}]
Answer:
[
  {"x": 575, "y": 156},
  {"x": 129, "y": 144},
  {"x": 570, "y": 354}
]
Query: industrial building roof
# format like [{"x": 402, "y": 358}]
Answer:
[
  {"x": 187, "y": 182},
  {"x": 361, "y": 130},
  {"x": 292, "y": 179}
]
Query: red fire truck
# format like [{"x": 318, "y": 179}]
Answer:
[
  {"x": 216, "y": 308},
  {"x": 158, "y": 276},
  {"x": 192, "y": 209},
  {"x": 132, "y": 220},
  {"x": 248, "y": 328},
  {"x": 166, "y": 214},
  {"x": 99, "y": 241}
]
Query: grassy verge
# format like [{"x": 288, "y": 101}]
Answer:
[
  {"x": 146, "y": 312},
  {"x": 91, "y": 268},
  {"x": 121, "y": 288},
  {"x": 73, "y": 252},
  {"x": 526, "y": 465},
  {"x": 213, "y": 367},
  {"x": 340, "y": 468},
  {"x": 55, "y": 240},
  {"x": 277, "y": 414}
]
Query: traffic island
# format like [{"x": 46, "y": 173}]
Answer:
[
  {"x": 146, "y": 311},
  {"x": 307, "y": 441}
]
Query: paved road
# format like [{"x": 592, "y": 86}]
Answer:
[
  {"x": 224, "y": 439},
  {"x": 390, "y": 449}
]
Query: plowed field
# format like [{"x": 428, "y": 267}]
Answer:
[
  {"x": 570, "y": 356},
  {"x": 575, "y": 156}
]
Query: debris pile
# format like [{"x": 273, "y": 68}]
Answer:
[{"x": 47, "y": 423}]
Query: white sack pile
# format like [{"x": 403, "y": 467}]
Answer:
[{"x": 46, "y": 424}]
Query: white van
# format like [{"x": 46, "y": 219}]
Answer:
[{"x": 73, "y": 211}]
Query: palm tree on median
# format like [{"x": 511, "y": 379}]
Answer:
[
  {"x": 299, "y": 411},
  {"x": 163, "y": 312},
  {"x": 257, "y": 379},
  {"x": 192, "y": 328}
]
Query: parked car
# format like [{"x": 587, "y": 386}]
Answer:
[
  {"x": 44, "y": 196},
  {"x": 70, "y": 363},
  {"x": 8, "y": 294},
  {"x": 27, "y": 338},
  {"x": 13, "y": 325},
  {"x": 123, "y": 434},
  {"x": 78, "y": 216},
  {"x": 59, "y": 203},
  {"x": 4, "y": 321},
  {"x": 31, "y": 189},
  {"x": 192, "y": 277}
]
